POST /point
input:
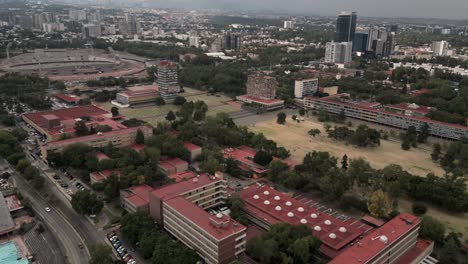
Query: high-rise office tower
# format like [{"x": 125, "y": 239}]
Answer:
[
  {"x": 232, "y": 41},
  {"x": 289, "y": 24},
  {"x": 338, "y": 52},
  {"x": 439, "y": 48},
  {"x": 167, "y": 81},
  {"x": 345, "y": 26},
  {"x": 360, "y": 42}
]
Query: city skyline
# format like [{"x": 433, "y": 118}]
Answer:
[{"x": 453, "y": 9}]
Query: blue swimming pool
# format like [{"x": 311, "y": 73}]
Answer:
[{"x": 9, "y": 254}]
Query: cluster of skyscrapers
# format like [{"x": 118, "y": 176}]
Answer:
[{"x": 379, "y": 41}]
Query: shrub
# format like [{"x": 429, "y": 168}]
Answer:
[{"x": 419, "y": 208}]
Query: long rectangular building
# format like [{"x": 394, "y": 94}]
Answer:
[
  {"x": 180, "y": 208},
  {"x": 373, "y": 113}
]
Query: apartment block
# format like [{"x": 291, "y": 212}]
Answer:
[
  {"x": 306, "y": 87},
  {"x": 180, "y": 209},
  {"x": 168, "y": 82}
]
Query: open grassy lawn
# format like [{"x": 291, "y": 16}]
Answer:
[
  {"x": 154, "y": 114},
  {"x": 294, "y": 137},
  {"x": 454, "y": 222}
]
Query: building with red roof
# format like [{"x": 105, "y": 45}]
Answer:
[
  {"x": 101, "y": 156},
  {"x": 68, "y": 98},
  {"x": 138, "y": 95},
  {"x": 261, "y": 92},
  {"x": 194, "y": 150},
  {"x": 182, "y": 176},
  {"x": 338, "y": 103},
  {"x": 180, "y": 208},
  {"x": 266, "y": 206},
  {"x": 394, "y": 242},
  {"x": 60, "y": 123},
  {"x": 100, "y": 176},
  {"x": 409, "y": 109},
  {"x": 172, "y": 165},
  {"x": 118, "y": 138},
  {"x": 136, "y": 198}
]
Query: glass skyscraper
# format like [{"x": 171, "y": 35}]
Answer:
[{"x": 346, "y": 27}]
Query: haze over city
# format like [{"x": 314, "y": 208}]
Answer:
[{"x": 233, "y": 132}]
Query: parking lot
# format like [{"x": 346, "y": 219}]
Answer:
[{"x": 120, "y": 248}]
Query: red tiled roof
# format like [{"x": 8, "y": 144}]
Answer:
[
  {"x": 416, "y": 251},
  {"x": 141, "y": 90},
  {"x": 186, "y": 175},
  {"x": 372, "y": 244},
  {"x": 190, "y": 146},
  {"x": 67, "y": 113},
  {"x": 331, "y": 99},
  {"x": 85, "y": 139},
  {"x": 101, "y": 156},
  {"x": 176, "y": 189},
  {"x": 204, "y": 220},
  {"x": 140, "y": 195},
  {"x": 102, "y": 175},
  {"x": 407, "y": 107},
  {"x": 13, "y": 203},
  {"x": 67, "y": 98},
  {"x": 373, "y": 221},
  {"x": 264, "y": 201}
]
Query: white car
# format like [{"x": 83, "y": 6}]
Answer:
[{"x": 47, "y": 209}]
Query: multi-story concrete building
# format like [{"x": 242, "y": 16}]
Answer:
[
  {"x": 91, "y": 31},
  {"x": 119, "y": 138},
  {"x": 180, "y": 209},
  {"x": 307, "y": 87},
  {"x": 194, "y": 41},
  {"x": 232, "y": 41},
  {"x": 439, "y": 48},
  {"x": 168, "y": 82},
  {"x": 261, "y": 91},
  {"x": 288, "y": 24},
  {"x": 338, "y": 52},
  {"x": 373, "y": 112},
  {"x": 136, "y": 198},
  {"x": 395, "y": 242},
  {"x": 138, "y": 95}
]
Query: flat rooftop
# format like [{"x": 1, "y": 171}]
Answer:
[
  {"x": 6, "y": 222},
  {"x": 376, "y": 241},
  {"x": 219, "y": 226},
  {"x": 272, "y": 206},
  {"x": 176, "y": 189}
]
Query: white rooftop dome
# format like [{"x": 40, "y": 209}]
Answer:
[
  {"x": 256, "y": 197},
  {"x": 317, "y": 228},
  {"x": 384, "y": 239},
  {"x": 327, "y": 222},
  {"x": 266, "y": 202},
  {"x": 303, "y": 221},
  {"x": 332, "y": 236},
  {"x": 288, "y": 203},
  {"x": 290, "y": 214},
  {"x": 278, "y": 208},
  {"x": 300, "y": 209},
  {"x": 342, "y": 229},
  {"x": 277, "y": 198},
  {"x": 314, "y": 215},
  {"x": 266, "y": 193},
  {"x": 219, "y": 215}
]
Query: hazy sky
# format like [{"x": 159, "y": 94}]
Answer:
[{"x": 395, "y": 8}]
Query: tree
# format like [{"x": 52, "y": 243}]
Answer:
[
  {"x": 302, "y": 112},
  {"x": 406, "y": 144},
  {"x": 294, "y": 117},
  {"x": 281, "y": 118},
  {"x": 263, "y": 158},
  {"x": 449, "y": 252},
  {"x": 275, "y": 169},
  {"x": 344, "y": 162},
  {"x": 424, "y": 133},
  {"x": 81, "y": 129},
  {"x": 140, "y": 137},
  {"x": 179, "y": 100},
  {"x": 171, "y": 116},
  {"x": 198, "y": 116},
  {"x": 313, "y": 132},
  {"x": 22, "y": 165},
  {"x": 160, "y": 101},
  {"x": 379, "y": 204},
  {"x": 101, "y": 254},
  {"x": 237, "y": 206},
  {"x": 86, "y": 203},
  {"x": 115, "y": 111},
  {"x": 419, "y": 208},
  {"x": 436, "y": 151},
  {"x": 432, "y": 229}
]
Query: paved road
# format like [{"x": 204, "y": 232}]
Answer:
[{"x": 57, "y": 223}]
